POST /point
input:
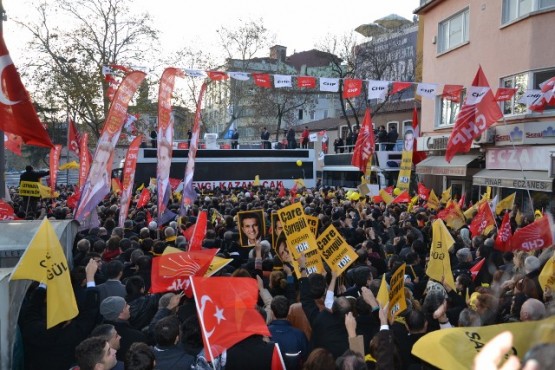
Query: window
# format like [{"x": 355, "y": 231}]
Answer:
[
  {"x": 520, "y": 81},
  {"x": 453, "y": 31},
  {"x": 514, "y": 9},
  {"x": 300, "y": 114},
  {"x": 312, "y": 115},
  {"x": 524, "y": 81},
  {"x": 448, "y": 111}
]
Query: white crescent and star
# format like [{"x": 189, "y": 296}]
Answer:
[
  {"x": 5, "y": 61},
  {"x": 219, "y": 315}
]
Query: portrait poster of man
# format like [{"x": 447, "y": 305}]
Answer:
[
  {"x": 251, "y": 227},
  {"x": 276, "y": 228},
  {"x": 98, "y": 181}
]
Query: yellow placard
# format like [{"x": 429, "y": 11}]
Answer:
[
  {"x": 335, "y": 251},
  {"x": 403, "y": 181},
  {"x": 397, "y": 302},
  {"x": 312, "y": 223},
  {"x": 29, "y": 189},
  {"x": 300, "y": 238}
]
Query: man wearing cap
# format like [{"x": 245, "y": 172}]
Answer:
[{"x": 115, "y": 311}]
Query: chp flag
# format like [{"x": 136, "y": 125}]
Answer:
[{"x": 479, "y": 111}]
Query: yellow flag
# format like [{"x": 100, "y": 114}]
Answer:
[
  {"x": 433, "y": 202},
  {"x": 439, "y": 266},
  {"x": 383, "y": 293},
  {"x": 547, "y": 276},
  {"x": 386, "y": 197},
  {"x": 456, "y": 348},
  {"x": 300, "y": 183},
  {"x": 454, "y": 217},
  {"x": 69, "y": 166},
  {"x": 256, "y": 181},
  {"x": 44, "y": 261},
  {"x": 488, "y": 193},
  {"x": 362, "y": 180},
  {"x": 46, "y": 191},
  {"x": 412, "y": 203},
  {"x": 505, "y": 203},
  {"x": 446, "y": 195},
  {"x": 217, "y": 264},
  {"x": 141, "y": 187}
]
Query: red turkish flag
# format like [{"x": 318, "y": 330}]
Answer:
[
  {"x": 73, "y": 137},
  {"x": 504, "y": 94},
  {"x": 364, "y": 147},
  {"x": 483, "y": 219},
  {"x": 504, "y": 235},
  {"x": 144, "y": 198},
  {"x": 306, "y": 81},
  {"x": 462, "y": 201},
  {"x": 217, "y": 75},
  {"x": 191, "y": 263},
  {"x": 262, "y": 80},
  {"x": 423, "y": 192},
  {"x": 474, "y": 270},
  {"x": 404, "y": 197},
  {"x": 6, "y": 211},
  {"x": 478, "y": 112},
  {"x": 537, "y": 235},
  {"x": 452, "y": 93},
  {"x": 226, "y": 310},
  {"x": 199, "y": 232},
  {"x": 351, "y": 88},
  {"x": 13, "y": 143},
  {"x": 17, "y": 114},
  {"x": 400, "y": 86}
]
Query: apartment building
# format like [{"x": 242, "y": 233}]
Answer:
[{"x": 510, "y": 40}]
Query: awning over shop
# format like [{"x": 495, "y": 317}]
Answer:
[
  {"x": 437, "y": 165},
  {"x": 533, "y": 180}
]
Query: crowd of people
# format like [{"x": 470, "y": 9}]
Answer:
[{"x": 320, "y": 321}]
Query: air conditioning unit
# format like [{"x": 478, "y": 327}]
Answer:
[{"x": 487, "y": 137}]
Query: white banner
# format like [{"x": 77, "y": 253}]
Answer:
[
  {"x": 282, "y": 81},
  {"x": 241, "y": 76},
  {"x": 427, "y": 90},
  {"x": 377, "y": 89},
  {"x": 329, "y": 84}
]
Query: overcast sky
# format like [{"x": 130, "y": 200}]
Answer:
[{"x": 297, "y": 24}]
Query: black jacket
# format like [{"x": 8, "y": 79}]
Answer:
[
  {"x": 129, "y": 335},
  {"x": 53, "y": 349}
]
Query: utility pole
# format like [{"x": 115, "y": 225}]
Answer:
[{"x": 2, "y": 157}]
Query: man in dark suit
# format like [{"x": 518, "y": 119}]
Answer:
[{"x": 113, "y": 285}]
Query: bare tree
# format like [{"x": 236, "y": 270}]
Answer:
[
  {"x": 241, "y": 46},
  {"x": 70, "y": 57},
  {"x": 375, "y": 59}
]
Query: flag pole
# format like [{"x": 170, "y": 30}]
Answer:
[
  {"x": 2, "y": 155},
  {"x": 68, "y": 144}
]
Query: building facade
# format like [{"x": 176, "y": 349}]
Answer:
[{"x": 508, "y": 40}]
